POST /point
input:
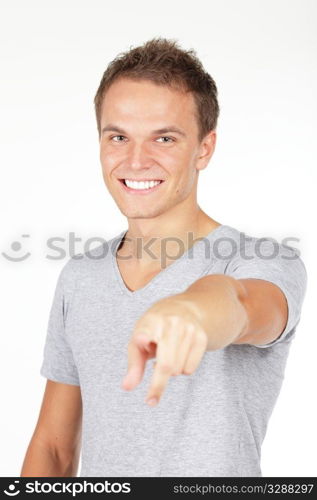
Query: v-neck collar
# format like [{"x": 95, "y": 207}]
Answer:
[{"x": 163, "y": 272}]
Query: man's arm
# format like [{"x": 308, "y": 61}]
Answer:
[
  {"x": 238, "y": 311},
  {"x": 54, "y": 449},
  {"x": 215, "y": 311}
]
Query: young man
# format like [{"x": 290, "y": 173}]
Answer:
[{"x": 166, "y": 345}]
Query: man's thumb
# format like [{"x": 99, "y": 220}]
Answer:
[{"x": 136, "y": 362}]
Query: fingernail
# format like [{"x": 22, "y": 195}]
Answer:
[{"x": 152, "y": 401}]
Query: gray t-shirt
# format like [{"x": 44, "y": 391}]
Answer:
[{"x": 209, "y": 423}]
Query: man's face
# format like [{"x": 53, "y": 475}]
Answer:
[{"x": 132, "y": 148}]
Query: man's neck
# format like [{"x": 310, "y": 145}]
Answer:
[{"x": 147, "y": 245}]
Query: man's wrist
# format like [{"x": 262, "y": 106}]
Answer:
[{"x": 216, "y": 302}]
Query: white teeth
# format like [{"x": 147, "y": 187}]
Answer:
[{"x": 141, "y": 185}]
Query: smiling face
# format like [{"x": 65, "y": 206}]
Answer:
[{"x": 150, "y": 132}]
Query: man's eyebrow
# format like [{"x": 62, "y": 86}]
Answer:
[{"x": 165, "y": 130}]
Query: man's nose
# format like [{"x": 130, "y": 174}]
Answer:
[{"x": 138, "y": 157}]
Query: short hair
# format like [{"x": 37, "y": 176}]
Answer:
[{"x": 163, "y": 62}]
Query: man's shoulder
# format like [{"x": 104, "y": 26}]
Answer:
[
  {"x": 233, "y": 245},
  {"x": 89, "y": 261}
]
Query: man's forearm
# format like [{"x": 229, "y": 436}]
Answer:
[
  {"x": 218, "y": 302},
  {"x": 209, "y": 315},
  {"x": 41, "y": 461}
]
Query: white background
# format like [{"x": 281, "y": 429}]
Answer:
[{"x": 261, "y": 179}]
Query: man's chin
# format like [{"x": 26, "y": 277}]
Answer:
[{"x": 139, "y": 214}]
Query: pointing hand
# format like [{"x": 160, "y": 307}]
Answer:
[{"x": 170, "y": 331}]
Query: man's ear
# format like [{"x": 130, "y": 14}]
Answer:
[{"x": 206, "y": 149}]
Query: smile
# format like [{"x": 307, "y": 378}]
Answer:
[{"x": 140, "y": 187}]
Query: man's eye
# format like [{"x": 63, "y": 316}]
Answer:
[
  {"x": 170, "y": 139},
  {"x": 116, "y": 136}
]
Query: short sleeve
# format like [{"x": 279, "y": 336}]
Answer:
[
  {"x": 58, "y": 362},
  {"x": 264, "y": 258}
]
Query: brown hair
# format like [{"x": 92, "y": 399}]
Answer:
[{"x": 163, "y": 62}]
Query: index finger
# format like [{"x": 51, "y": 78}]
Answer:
[{"x": 165, "y": 361}]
